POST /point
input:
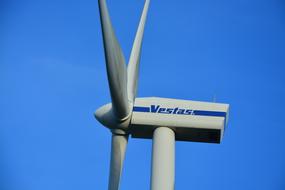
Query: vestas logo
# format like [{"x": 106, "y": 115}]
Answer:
[{"x": 178, "y": 111}]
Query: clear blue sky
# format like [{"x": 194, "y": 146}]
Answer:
[{"x": 53, "y": 77}]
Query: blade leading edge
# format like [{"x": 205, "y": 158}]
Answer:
[
  {"x": 133, "y": 66},
  {"x": 116, "y": 65},
  {"x": 118, "y": 150}
]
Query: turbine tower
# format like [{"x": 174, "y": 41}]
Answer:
[{"x": 162, "y": 119}]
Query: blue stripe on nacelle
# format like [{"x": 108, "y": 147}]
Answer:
[
  {"x": 210, "y": 113},
  {"x": 141, "y": 109},
  {"x": 194, "y": 112}
]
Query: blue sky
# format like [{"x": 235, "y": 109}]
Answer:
[{"x": 53, "y": 77}]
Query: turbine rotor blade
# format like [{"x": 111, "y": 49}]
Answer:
[
  {"x": 118, "y": 150},
  {"x": 133, "y": 66},
  {"x": 115, "y": 64}
]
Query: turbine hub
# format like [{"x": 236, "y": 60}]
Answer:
[{"x": 105, "y": 115}]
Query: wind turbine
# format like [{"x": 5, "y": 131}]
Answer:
[{"x": 162, "y": 119}]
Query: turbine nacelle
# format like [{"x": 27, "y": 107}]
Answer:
[{"x": 190, "y": 120}]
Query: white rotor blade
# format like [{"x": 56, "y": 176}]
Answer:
[
  {"x": 118, "y": 150},
  {"x": 133, "y": 66},
  {"x": 115, "y": 63}
]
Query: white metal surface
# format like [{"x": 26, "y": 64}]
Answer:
[
  {"x": 191, "y": 120},
  {"x": 115, "y": 64},
  {"x": 133, "y": 66},
  {"x": 118, "y": 150},
  {"x": 163, "y": 159}
]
